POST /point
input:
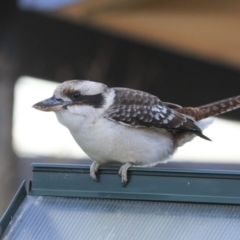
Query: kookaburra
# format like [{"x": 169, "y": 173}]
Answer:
[{"x": 127, "y": 126}]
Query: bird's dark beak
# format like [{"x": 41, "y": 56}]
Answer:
[{"x": 50, "y": 104}]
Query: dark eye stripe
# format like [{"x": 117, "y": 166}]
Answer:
[{"x": 96, "y": 101}]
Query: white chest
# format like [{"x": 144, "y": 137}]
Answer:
[{"x": 104, "y": 140}]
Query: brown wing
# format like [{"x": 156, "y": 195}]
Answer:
[{"x": 139, "y": 109}]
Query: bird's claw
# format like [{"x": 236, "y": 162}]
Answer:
[
  {"x": 93, "y": 170},
  {"x": 123, "y": 173}
]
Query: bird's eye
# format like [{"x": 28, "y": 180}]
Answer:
[{"x": 76, "y": 95}]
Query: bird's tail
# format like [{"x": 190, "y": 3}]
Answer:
[{"x": 211, "y": 109}]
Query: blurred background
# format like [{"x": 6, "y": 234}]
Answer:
[{"x": 185, "y": 52}]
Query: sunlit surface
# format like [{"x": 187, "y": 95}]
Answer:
[
  {"x": 223, "y": 148},
  {"x": 37, "y": 133}
]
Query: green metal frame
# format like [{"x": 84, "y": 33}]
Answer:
[
  {"x": 157, "y": 184},
  {"x": 152, "y": 184},
  {"x": 13, "y": 207}
]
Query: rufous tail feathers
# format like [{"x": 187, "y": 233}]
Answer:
[{"x": 211, "y": 109}]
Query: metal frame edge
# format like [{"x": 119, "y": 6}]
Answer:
[{"x": 13, "y": 207}]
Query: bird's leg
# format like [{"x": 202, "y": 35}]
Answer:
[
  {"x": 93, "y": 169},
  {"x": 123, "y": 172}
]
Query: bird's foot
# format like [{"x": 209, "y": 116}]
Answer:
[
  {"x": 123, "y": 172},
  {"x": 94, "y": 169}
]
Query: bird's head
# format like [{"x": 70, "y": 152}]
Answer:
[{"x": 75, "y": 93}]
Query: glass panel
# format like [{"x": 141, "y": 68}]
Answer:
[{"x": 72, "y": 218}]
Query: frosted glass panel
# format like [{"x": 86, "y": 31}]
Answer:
[{"x": 77, "y": 218}]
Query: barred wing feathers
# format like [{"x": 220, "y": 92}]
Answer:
[{"x": 139, "y": 109}]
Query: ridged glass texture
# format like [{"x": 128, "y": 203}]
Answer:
[{"x": 77, "y": 218}]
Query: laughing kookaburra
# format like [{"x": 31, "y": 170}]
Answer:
[{"x": 127, "y": 126}]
